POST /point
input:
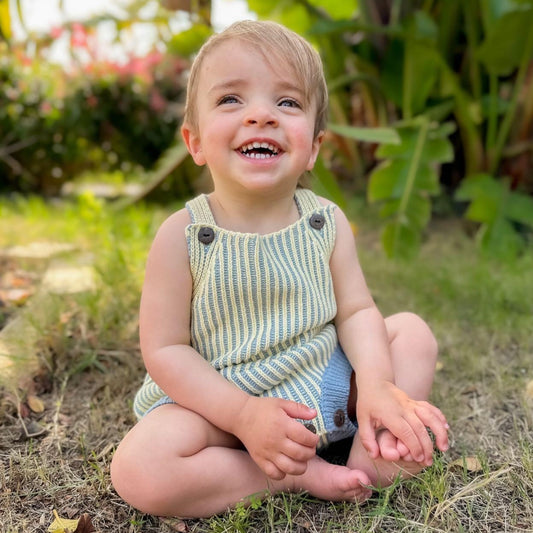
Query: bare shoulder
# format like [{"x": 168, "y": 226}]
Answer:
[{"x": 343, "y": 224}]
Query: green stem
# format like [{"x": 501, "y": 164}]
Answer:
[
  {"x": 414, "y": 166},
  {"x": 407, "y": 79},
  {"x": 493, "y": 114},
  {"x": 470, "y": 14}
]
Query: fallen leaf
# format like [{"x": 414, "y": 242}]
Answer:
[
  {"x": 84, "y": 524},
  {"x": 35, "y": 403},
  {"x": 24, "y": 410},
  {"x": 16, "y": 296},
  {"x": 439, "y": 366},
  {"x": 31, "y": 429},
  {"x": 472, "y": 464},
  {"x": 62, "y": 525},
  {"x": 175, "y": 524}
]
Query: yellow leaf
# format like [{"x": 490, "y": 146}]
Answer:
[
  {"x": 35, "y": 404},
  {"x": 472, "y": 464},
  {"x": 62, "y": 525}
]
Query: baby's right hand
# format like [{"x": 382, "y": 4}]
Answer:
[{"x": 278, "y": 443}]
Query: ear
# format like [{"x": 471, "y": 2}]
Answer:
[
  {"x": 193, "y": 144},
  {"x": 314, "y": 151}
]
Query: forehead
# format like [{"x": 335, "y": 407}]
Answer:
[{"x": 236, "y": 60}]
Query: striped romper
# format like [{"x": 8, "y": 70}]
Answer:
[{"x": 262, "y": 313}]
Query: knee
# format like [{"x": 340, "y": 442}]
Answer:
[
  {"x": 416, "y": 333},
  {"x": 131, "y": 482}
]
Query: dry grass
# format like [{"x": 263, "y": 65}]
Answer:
[{"x": 481, "y": 312}]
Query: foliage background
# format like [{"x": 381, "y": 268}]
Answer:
[
  {"x": 430, "y": 121},
  {"x": 431, "y": 109}
]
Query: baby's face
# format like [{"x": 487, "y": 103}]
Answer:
[{"x": 255, "y": 126}]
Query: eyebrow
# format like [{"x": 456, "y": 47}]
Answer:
[
  {"x": 230, "y": 84},
  {"x": 226, "y": 85}
]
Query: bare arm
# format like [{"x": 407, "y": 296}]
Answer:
[
  {"x": 363, "y": 337},
  {"x": 190, "y": 381}
]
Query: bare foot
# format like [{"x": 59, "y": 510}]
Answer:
[
  {"x": 391, "y": 448},
  {"x": 333, "y": 482},
  {"x": 382, "y": 472}
]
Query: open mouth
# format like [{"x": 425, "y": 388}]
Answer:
[{"x": 259, "y": 150}]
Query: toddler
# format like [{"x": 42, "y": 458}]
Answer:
[{"x": 261, "y": 340}]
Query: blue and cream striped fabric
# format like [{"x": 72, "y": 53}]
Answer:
[{"x": 262, "y": 305}]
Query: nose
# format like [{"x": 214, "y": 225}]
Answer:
[{"x": 260, "y": 114}]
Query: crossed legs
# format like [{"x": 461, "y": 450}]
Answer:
[{"x": 176, "y": 463}]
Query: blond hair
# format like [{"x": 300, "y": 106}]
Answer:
[{"x": 276, "y": 43}]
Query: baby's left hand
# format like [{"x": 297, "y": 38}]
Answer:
[{"x": 385, "y": 406}]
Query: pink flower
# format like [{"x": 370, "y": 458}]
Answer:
[
  {"x": 56, "y": 32},
  {"x": 78, "y": 37}
]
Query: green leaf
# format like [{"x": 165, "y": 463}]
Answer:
[
  {"x": 188, "y": 42},
  {"x": 373, "y": 135},
  {"x": 405, "y": 181},
  {"x": 400, "y": 240},
  {"x": 520, "y": 209},
  {"x": 337, "y": 10},
  {"x": 500, "y": 239},
  {"x": 324, "y": 183},
  {"x": 496, "y": 207},
  {"x": 502, "y": 49}
]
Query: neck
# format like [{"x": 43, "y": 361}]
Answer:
[{"x": 261, "y": 214}]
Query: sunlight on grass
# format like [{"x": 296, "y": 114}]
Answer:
[{"x": 480, "y": 311}]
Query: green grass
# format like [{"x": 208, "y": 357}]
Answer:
[{"x": 481, "y": 312}]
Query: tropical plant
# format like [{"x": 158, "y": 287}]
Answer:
[{"x": 460, "y": 71}]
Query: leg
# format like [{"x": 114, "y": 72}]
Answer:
[
  {"x": 175, "y": 463},
  {"x": 414, "y": 355}
]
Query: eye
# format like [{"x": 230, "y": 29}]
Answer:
[
  {"x": 289, "y": 102},
  {"x": 228, "y": 99}
]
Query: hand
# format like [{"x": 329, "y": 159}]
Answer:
[
  {"x": 385, "y": 405},
  {"x": 278, "y": 443}
]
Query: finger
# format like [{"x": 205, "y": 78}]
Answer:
[
  {"x": 298, "y": 410},
  {"x": 271, "y": 470},
  {"x": 299, "y": 452},
  {"x": 303, "y": 436},
  {"x": 420, "y": 428},
  {"x": 434, "y": 422},
  {"x": 408, "y": 431},
  {"x": 290, "y": 466},
  {"x": 367, "y": 436},
  {"x": 403, "y": 450}
]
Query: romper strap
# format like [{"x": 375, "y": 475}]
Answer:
[
  {"x": 307, "y": 201},
  {"x": 199, "y": 210}
]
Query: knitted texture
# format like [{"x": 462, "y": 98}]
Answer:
[{"x": 263, "y": 305}]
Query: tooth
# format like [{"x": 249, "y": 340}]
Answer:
[{"x": 258, "y": 145}]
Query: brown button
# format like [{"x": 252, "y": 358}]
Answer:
[
  {"x": 317, "y": 221},
  {"x": 339, "y": 417},
  {"x": 310, "y": 427},
  {"x": 206, "y": 235}
]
